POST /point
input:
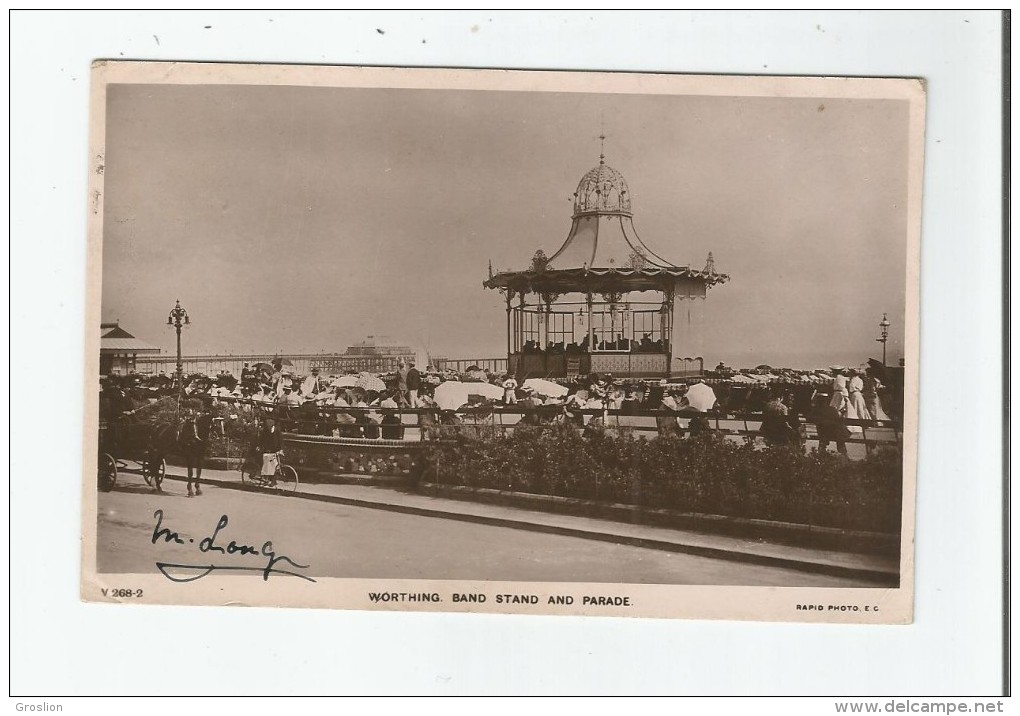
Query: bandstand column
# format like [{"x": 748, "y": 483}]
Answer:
[
  {"x": 591, "y": 328},
  {"x": 519, "y": 332},
  {"x": 509, "y": 332}
]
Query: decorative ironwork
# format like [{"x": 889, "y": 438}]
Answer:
[
  {"x": 177, "y": 319},
  {"x": 549, "y": 298},
  {"x": 884, "y": 325},
  {"x": 709, "y": 265},
  {"x": 602, "y": 190},
  {"x": 539, "y": 261},
  {"x": 637, "y": 259}
]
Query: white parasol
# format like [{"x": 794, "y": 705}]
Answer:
[
  {"x": 486, "y": 390},
  {"x": 345, "y": 381},
  {"x": 370, "y": 382},
  {"x": 700, "y": 397},
  {"x": 451, "y": 395},
  {"x": 546, "y": 387}
]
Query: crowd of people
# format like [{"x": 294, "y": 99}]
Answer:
[
  {"x": 644, "y": 345},
  {"x": 315, "y": 403}
]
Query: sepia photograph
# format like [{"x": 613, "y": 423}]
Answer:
[{"x": 608, "y": 344}]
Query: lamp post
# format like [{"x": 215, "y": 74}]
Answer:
[
  {"x": 178, "y": 318},
  {"x": 884, "y": 325}
]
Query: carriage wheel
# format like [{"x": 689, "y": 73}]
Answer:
[
  {"x": 153, "y": 471},
  {"x": 107, "y": 472},
  {"x": 287, "y": 480},
  {"x": 158, "y": 472}
]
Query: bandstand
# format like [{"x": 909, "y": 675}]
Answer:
[{"x": 604, "y": 302}]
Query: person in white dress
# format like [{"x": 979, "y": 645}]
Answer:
[
  {"x": 871, "y": 399},
  {"x": 857, "y": 409},
  {"x": 840, "y": 392}
]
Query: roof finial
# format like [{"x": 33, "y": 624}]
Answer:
[
  {"x": 710, "y": 264},
  {"x": 602, "y": 140}
]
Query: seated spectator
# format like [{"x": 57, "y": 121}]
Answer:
[
  {"x": 774, "y": 426},
  {"x": 667, "y": 423},
  {"x": 699, "y": 427},
  {"x": 630, "y": 404},
  {"x": 391, "y": 427},
  {"x": 529, "y": 404},
  {"x": 830, "y": 425},
  {"x": 615, "y": 398}
]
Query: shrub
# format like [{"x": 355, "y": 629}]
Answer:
[{"x": 703, "y": 475}]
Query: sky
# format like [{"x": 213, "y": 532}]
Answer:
[{"x": 303, "y": 219}]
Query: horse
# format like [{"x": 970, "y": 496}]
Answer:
[{"x": 192, "y": 440}]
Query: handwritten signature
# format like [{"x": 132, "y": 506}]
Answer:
[{"x": 208, "y": 544}]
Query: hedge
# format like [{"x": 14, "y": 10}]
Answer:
[{"x": 706, "y": 475}]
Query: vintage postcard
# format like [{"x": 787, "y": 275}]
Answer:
[{"x": 602, "y": 344}]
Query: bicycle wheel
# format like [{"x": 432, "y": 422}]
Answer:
[
  {"x": 287, "y": 479},
  {"x": 107, "y": 472},
  {"x": 251, "y": 473}
]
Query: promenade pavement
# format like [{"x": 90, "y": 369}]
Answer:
[{"x": 880, "y": 569}]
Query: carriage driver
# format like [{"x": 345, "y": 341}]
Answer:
[{"x": 270, "y": 445}]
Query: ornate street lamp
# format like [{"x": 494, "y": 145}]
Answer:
[
  {"x": 885, "y": 335},
  {"x": 178, "y": 318}
]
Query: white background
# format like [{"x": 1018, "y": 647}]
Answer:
[{"x": 63, "y": 647}]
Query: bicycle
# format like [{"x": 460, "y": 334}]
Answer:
[{"x": 285, "y": 479}]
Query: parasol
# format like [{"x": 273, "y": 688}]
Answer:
[
  {"x": 345, "y": 381},
  {"x": 264, "y": 367},
  {"x": 546, "y": 387},
  {"x": 370, "y": 382},
  {"x": 451, "y": 395},
  {"x": 700, "y": 397},
  {"x": 279, "y": 362},
  {"x": 486, "y": 390}
]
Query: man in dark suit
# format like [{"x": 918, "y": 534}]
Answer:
[
  {"x": 413, "y": 384},
  {"x": 830, "y": 425}
]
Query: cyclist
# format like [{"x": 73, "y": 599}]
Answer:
[{"x": 270, "y": 445}]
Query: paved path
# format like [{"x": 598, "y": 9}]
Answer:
[{"x": 358, "y": 531}]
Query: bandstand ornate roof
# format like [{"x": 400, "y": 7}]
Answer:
[
  {"x": 602, "y": 280},
  {"x": 602, "y": 251}
]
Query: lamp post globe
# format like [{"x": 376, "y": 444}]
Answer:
[
  {"x": 884, "y": 325},
  {"x": 178, "y": 318}
]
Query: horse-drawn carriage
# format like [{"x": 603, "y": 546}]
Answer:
[{"x": 124, "y": 439}]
